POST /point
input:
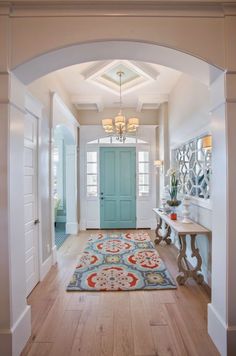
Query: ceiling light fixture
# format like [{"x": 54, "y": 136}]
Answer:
[{"x": 118, "y": 126}]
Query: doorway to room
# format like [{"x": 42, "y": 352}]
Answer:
[
  {"x": 63, "y": 182},
  {"x": 59, "y": 187},
  {"x": 117, "y": 187}
]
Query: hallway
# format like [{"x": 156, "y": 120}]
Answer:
[{"x": 166, "y": 322}]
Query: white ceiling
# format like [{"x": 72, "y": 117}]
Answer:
[{"x": 93, "y": 85}]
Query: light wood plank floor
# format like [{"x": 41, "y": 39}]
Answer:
[{"x": 142, "y": 323}]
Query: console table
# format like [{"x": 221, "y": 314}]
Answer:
[{"x": 182, "y": 230}]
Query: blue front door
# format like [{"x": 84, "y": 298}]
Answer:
[{"x": 117, "y": 187}]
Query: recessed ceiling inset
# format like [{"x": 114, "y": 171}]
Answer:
[
  {"x": 105, "y": 75},
  {"x": 129, "y": 74}
]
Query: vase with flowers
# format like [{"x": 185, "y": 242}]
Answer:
[{"x": 173, "y": 202}]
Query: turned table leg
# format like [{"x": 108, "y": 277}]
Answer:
[
  {"x": 166, "y": 235},
  {"x": 183, "y": 265},
  {"x": 158, "y": 236}
]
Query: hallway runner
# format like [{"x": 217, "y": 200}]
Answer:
[{"x": 124, "y": 261}]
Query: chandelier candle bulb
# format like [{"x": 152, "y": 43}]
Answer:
[
  {"x": 133, "y": 121},
  {"x": 120, "y": 120}
]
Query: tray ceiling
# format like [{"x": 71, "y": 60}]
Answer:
[{"x": 95, "y": 85}]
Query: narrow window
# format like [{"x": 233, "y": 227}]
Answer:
[
  {"x": 143, "y": 173},
  {"x": 92, "y": 174}
]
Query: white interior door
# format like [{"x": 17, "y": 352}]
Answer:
[{"x": 30, "y": 202}]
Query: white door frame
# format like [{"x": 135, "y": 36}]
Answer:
[
  {"x": 92, "y": 204},
  {"x": 61, "y": 115}
]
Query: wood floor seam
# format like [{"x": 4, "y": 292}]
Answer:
[{"x": 137, "y": 323}]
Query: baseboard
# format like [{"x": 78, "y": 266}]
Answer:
[
  {"x": 217, "y": 330},
  {"x": 54, "y": 254},
  {"x": 91, "y": 224},
  {"x": 45, "y": 267},
  {"x": 72, "y": 228},
  {"x": 12, "y": 341}
]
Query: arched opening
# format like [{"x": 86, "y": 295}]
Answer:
[
  {"x": 63, "y": 172},
  {"x": 107, "y": 50},
  {"x": 204, "y": 72}
]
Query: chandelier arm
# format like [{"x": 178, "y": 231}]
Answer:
[{"x": 121, "y": 127}]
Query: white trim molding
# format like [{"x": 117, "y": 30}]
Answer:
[
  {"x": 54, "y": 255},
  {"x": 12, "y": 341},
  {"x": 72, "y": 228},
  {"x": 45, "y": 267},
  {"x": 217, "y": 330}
]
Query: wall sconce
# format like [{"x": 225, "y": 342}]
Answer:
[
  {"x": 159, "y": 165},
  {"x": 207, "y": 143}
]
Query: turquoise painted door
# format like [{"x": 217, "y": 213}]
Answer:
[{"x": 117, "y": 188}]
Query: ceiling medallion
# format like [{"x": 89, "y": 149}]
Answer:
[{"x": 118, "y": 126}]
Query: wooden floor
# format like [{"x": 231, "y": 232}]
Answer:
[{"x": 144, "y": 323}]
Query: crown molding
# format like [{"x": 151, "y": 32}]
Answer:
[
  {"x": 98, "y": 8},
  {"x": 87, "y": 102},
  {"x": 151, "y": 102},
  {"x": 5, "y": 8}
]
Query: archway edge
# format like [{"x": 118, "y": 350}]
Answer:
[{"x": 122, "y": 49}]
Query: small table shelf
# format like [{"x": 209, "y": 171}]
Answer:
[{"x": 183, "y": 230}]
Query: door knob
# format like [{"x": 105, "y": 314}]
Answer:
[{"x": 36, "y": 221}]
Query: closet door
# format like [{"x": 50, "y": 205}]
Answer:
[{"x": 31, "y": 222}]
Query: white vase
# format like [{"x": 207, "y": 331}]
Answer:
[{"x": 186, "y": 213}]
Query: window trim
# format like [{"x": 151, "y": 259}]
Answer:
[
  {"x": 91, "y": 174},
  {"x": 140, "y": 196}
]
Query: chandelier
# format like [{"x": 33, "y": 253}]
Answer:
[{"x": 118, "y": 126}]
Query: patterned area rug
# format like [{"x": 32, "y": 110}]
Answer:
[{"x": 118, "y": 262}]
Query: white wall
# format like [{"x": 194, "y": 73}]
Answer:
[
  {"x": 163, "y": 148},
  {"x": 92, "y": 117},
  {"x": 42, "y": 87},
  {"x": 189, "y": 104}
]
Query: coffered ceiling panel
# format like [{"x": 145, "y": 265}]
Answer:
[{"x": 95, "y": 85}]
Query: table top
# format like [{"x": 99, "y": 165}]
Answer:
[{"x": 180, "y": 227}]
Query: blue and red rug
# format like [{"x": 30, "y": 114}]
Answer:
[{"x": 115, "y": 262}]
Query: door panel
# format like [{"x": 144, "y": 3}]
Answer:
[
  {"x": 117, "y": 188},
  {"x": 125, "y": 210},
  {"x": 30, "y": 202},
  {"x": 109, "y": 173},
  {"x": 110, "y": 212}
]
